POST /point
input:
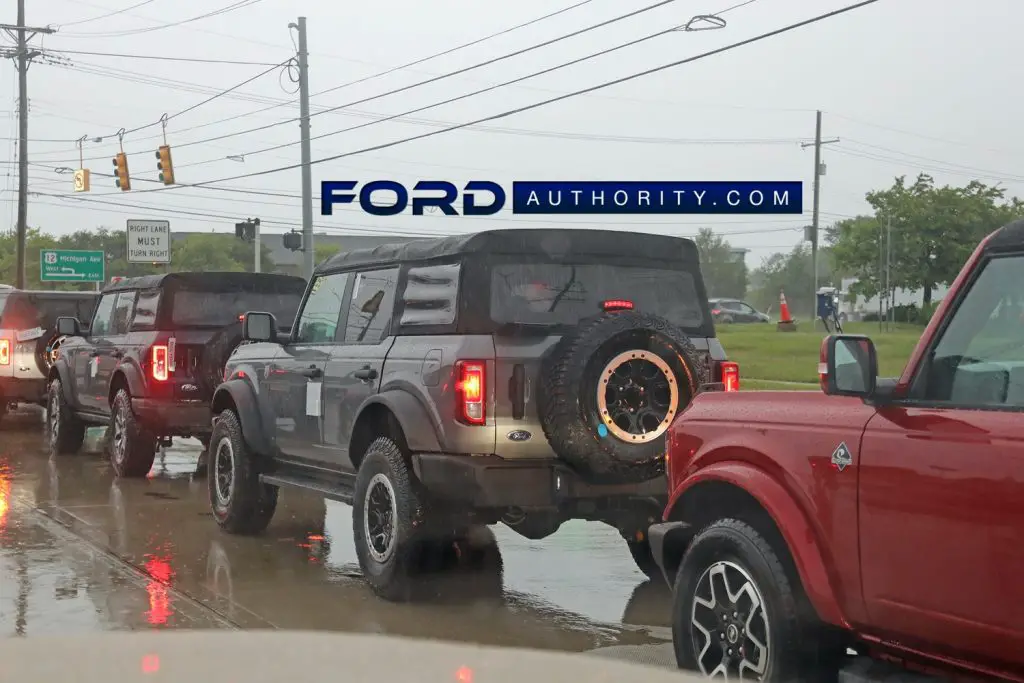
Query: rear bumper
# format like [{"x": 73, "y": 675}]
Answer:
[
  {"x": 668, "y": 543},
  {"x": 17, "y": 390},
  {"x": 489, "y": 481},
  {"x": 170, "y": 417}
]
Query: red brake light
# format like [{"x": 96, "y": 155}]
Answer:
[
  {"x": 161, "y": 368},
  {"x": 731, "y": 376},
  {"x": 470, "y": 378},
  {"x": 5, "y": 351},
  {"x": 617, "y": 305},
  {"x": 715, "y": 311}
]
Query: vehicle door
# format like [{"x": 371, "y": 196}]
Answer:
[
  {"x": 357, "y": 362},
  {"x": 112, "y": 348},
  {"x": 297, "y": 372},
  {"x": 747, "y": 313},
  {"x": 85, "y": 357},
  {"x": 942, "y": 481}
]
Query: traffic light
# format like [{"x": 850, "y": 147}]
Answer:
[
  {"x": 245, "y": 231},
  {"x": 164, "y": 165},
  {"x": 121, "y": 179},
  {"x": 293, "y": 241}
]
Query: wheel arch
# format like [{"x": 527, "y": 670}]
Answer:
[
  {"x": 126, "y": 376},
  {"x": 238, "y": 396},
  {"x": 397, "y": 414},
  {"x": 60, "y": 370},
  {"x": 741, "y": 491}
]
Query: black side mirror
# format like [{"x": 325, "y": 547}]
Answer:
[
  {"x": 69, "y": 327},
  {"x": 849, "y": 365},
  {"x": 259, "y": 327}
]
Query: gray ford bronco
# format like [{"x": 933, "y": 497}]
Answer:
[{"x": 520, "y": 376}]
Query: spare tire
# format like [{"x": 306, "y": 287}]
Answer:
[
  {"x": 48, "y": 350},
  {"x": 215, "y": 356},
  {"x": 610, "y": 391}
]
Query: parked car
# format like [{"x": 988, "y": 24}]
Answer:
[
  {"x": 29, "y": 342},
  {"x": 151, "y": 357},
  {"x": 880, "y": 514},
  {"x": 736, "y": 311},
  {"x": 522, "y": 376}
]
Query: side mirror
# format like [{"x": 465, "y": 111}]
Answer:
[
  {"x": 259, "y": 327},
  {"x": 849, "y": 365},
  {"x": 69, "y": 327}
]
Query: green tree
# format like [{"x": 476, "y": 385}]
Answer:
[
  {"x": 791, "y": 273},
  {"x": 725, "y": 274},
  {"x": 322, "y": 252},
  {"x": 210, "y": 253}
]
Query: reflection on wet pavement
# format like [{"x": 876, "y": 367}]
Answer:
[{"x": 80, "y": 550}]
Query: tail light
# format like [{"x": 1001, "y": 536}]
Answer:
[
  {"x": 612, "y": 305},
  {"x": 470, "y": 390},
  {"x": 159, "y": 358},
  {"x": 715, "y": 311},
  {"x": 730, "y": 375},
  {"x": 171, "y": 344},
  {"x": 5, "y": 351}
]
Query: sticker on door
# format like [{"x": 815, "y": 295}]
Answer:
[{"x": 313, "y": 398}]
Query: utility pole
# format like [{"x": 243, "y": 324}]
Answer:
[
  {"x": 819, "y": 170},
  {"x": 256, "y": 240},
  {"x": 24, "y": 56},
  {"x": 307, "y": 171},
  {"x": 888, "y": 270}
]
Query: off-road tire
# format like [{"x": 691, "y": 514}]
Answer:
[
  {"x": 249, "y": 504},
  {"x": 644, "y": 558},
  {"x": 791, "y": 641},
  {"x": 65, "y": 432},
  {"x": 135, "y": 458},
  {"x": 570, "y": 374},
  {"x": 392, "y": 577}
]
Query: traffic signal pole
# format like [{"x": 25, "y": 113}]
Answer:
[{"x": 307, "y": 177}]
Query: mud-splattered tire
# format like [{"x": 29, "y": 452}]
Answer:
[
  {"x": 241, "y": 503},
  {"x": 65, "y": 431},
  {"x": 752, "y": 615},
  {"x": 578, "y": 420},
  {"x": 132, "y": 448},
  {"x": 644, "y": 558},
  {"x": 388, "y": 551}
]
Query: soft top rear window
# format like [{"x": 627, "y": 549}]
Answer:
[
  {"x": 193, "y": 304},
  {"x": 562, "y": 294},
  {"x": 28, "y": 310}
]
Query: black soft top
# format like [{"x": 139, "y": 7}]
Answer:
[
  {"x": 543, "y": 242},
  {"x": 215, "y": 281},
  {"x": 1009, "y": 236}
]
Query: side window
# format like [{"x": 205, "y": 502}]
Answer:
[
  {"x": 979, "y": 359},
  {"x": 103, "y": 317},
  {"x": 123, "y": 312},
  {"x": 145, "y": 310},
  {"x": 318, "y": 323},
  {"x": 746, "y": 308},
  {"x": 373, "y": 302},
  {"x": 431, "y": 295}
]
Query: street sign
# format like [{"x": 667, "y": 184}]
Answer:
[
  {"x": 68, "y": 265},
  {"x": 149, "y": 241},
  {"x": 82, "y": 180}
]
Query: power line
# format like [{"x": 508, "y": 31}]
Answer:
[
  {"x": 162, "y": 58},
  {"x": 108, "y": 14},
  {"x": 537, "y": 105},
  {"x": 992, "y": 174},
  {"x": 240, "y": 4}
]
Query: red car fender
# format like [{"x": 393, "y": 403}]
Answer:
[{"x": 792, "y": 523}]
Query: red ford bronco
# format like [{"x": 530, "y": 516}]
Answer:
[{"x": 882, "y": 516}]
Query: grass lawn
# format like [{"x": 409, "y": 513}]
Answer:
[{"x": 767, "y": 357}]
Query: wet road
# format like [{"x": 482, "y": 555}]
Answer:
[{"x": 81, "y": 551}]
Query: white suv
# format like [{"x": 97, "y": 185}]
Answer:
[{"x": 29, "y": 341}]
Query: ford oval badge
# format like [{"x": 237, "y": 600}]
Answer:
[{"x": 519, "y": 435}]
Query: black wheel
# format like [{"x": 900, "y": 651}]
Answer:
[
  {"x": 66, "y": 432},
  {"x": 644, "y": 558},
  {"x": 241, "y": 503},
  {"x": 610, "y": 391},
  {"x": 735, "y": 612},
  {"x": 132, "y": 447},
  {"x": 387, "y": 521}
]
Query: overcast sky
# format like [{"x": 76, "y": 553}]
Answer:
[{"x": 907, "y": 85}]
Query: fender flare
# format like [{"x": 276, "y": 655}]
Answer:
[
  {"x": 132, "y": 375},
  {"x": 63, "y": 372},
  {"x": 241, "y": 394},
  {"x": 420, "y": 433},
  {"x": 800, "y": 537}
]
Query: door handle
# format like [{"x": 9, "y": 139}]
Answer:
[
  {"x": 312, "y": 372},
  {"x": 365, "y": 373}
]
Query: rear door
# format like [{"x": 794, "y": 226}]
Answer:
[
  {"x": 297, "y": 372},
  {"x": 356, "y": 363},
  {"x": 533, "y": 304}
]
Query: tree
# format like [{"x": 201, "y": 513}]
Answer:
[
  {"x": 322, "y": 252},
  {"x": 933, "y": 232},
  {"x": 793, "y": 275},
  {"x": 725, "y": 274}
]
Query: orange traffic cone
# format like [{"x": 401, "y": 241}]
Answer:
[{"x": 786, "y": 322}]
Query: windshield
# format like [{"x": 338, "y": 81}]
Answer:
[
  {"x": 557, "y": 294},
  {"x": 215, "y": 309}
]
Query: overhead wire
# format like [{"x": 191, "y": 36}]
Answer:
[
  {"x": 163, "y": 58},
  {"x": 239, "y": 4},
  {"x": 107, "y": 15}
]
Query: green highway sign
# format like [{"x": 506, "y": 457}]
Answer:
[{"x": 68, "y": 265}]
